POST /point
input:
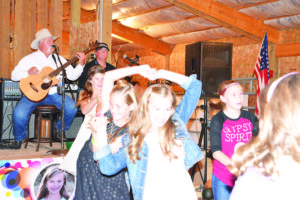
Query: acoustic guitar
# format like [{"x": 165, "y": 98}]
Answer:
[{"x": 36, "y": 87}]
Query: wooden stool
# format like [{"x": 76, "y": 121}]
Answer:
[{"x": 42, "y": 112}]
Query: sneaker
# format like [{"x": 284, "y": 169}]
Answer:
[{"x": 15, "y": 145}]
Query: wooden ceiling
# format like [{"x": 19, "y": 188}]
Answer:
[{"x": 161, "y": 24}]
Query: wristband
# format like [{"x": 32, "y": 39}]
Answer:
[
  {"x": 96, "y": 98},
  {"x": 94, "y": 143},
  {"x": 98, "y": 114}
]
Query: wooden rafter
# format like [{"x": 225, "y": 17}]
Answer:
[
  {"x": 126, "y": 33},
  {"x": 118, "y": 2},
  {"x": 183, "y": 33},
  {"x": 143, "y": 13},
  {"x": 284, "y": 50},
  {"x": 144, "y": 40},
  {"x": 254, "y": 4},
  {"x": 228, "y": 18},
  {"x": 86, "y": 16},
  {"x": 280, "y": 17},
  {"x": 169, "y": 22}
]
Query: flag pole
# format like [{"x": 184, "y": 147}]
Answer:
[{"x": 260, "y": 45}]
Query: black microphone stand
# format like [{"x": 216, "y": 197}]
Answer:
[
  {"x": 202, "y": 134},
  {"x": 61, "y": 151}
]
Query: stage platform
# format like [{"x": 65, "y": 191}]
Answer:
[{"x": 29, "y": 152}]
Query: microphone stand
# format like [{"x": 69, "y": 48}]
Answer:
[{"x": 61, "y": 151}]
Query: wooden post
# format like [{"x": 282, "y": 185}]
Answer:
[
  {"x": 22, "y": 31},
  {"x": 274, "y": 61},
  {"x": 42, "y": 14},
  {"x": 104, "y": 13},
  {"x": 4, "y": 39},
  {"x": 167, "y": 62},
  {"x": 75, "y": 12},
  {"x": 55, "y": 21}
]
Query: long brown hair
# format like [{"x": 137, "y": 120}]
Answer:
[
  {"x": 88, "y": 92},
  {"x": 43, "y": 190},
  {"x": 140, "y": 124},
  {"x": 279, "y": 133}
]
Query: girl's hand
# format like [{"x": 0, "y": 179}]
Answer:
[
  {"x": 155, "y": 75},
  {"x": 146, "y": 71},
  {"x": 116, "y": 145},
  {"x": 97, "y": 96},
  {"x": 98, "y": 128}
]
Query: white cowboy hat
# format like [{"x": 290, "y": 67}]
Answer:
[{"x": 41, "y": 34}]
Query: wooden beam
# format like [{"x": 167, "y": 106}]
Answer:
[
  {"x": 141, "y": 39},
  {"x": 85, "y": 16},
  {"x": 254, "y": 4},
  {"x": 144, "y": 13},
  {"x": 4, "y": 39},
  {"x": 22, "y": 33},
  {"x": 75, "y": 12},
  {"x": 284, "y": 50},
  {"x": 42, "y": 14},
  {"x": 118, "y": 2},
  {"x": 106, "y": 25},
  {"x": 228, "y": 18},
  {"x": 169, "y": 22},
  {"x": 33, "y": 14},
  {"x": 55, "y": 21}
]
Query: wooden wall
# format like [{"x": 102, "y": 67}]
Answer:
[
  {"x": 20, "y": 20},
  {"x": 5, "y": 39},
  {"x": 245, "y": 52}
]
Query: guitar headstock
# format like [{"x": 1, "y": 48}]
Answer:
[{"x": 93, "y": 45}]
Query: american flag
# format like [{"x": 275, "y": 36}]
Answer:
[{"x": 261, "y": 70}]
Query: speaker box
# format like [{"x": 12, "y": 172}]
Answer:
[
  {"x": 6, "y": 123},
  {"x": 212, "y": 62},
  {"x": 72, "y": 132}
]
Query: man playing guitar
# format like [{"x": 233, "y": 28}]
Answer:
[{"x": 33, "y": 64}]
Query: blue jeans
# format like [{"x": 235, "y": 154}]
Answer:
[
  {"x": 25, "y": 107},
  {"x": 221, "y": 191}
]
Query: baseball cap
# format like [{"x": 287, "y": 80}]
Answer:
[{"x": 102, "y": 45}]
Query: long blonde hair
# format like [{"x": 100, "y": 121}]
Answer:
[
  {"x": 129, "y": 94},
  {"x": 279, "y": 133},
  {"x": 140, "y": 124}
]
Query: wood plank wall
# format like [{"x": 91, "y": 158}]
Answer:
[
  {"x": 4, "y": 39},
  {"x": 55, "y": 21},
  {"x": 20, "y": 20},
  {"x": 21, "y": 30}
]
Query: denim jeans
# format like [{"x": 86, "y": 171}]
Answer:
[
  {"x": 25, "y": 107},
  {"x": 221, "y": 191}
]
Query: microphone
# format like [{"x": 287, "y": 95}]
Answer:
[
  {"x": 53, "y": 46},
  {"x": 132, "y": 61}
]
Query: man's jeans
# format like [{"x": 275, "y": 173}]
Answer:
[{"x": 25, "y": 107}]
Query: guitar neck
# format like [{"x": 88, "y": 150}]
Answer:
[{"x": 72, "y": 60}]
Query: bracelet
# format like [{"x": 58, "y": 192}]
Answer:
[
  {"x": 94, "y": 143},
  {"x": 98, "y": 114},
  {"x": 96, "y": 98}
]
